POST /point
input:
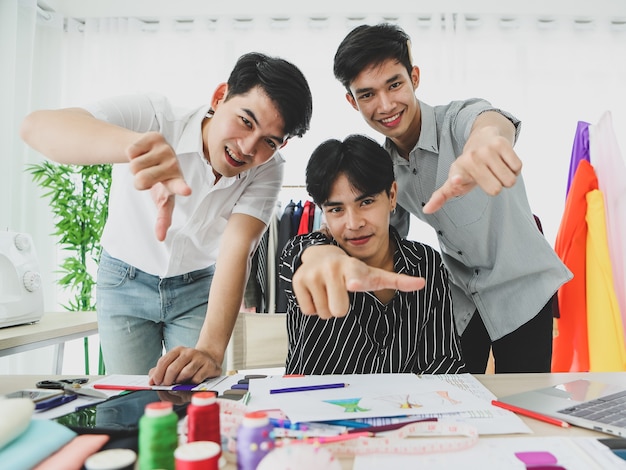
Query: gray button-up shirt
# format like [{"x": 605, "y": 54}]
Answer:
[{"x": 500, "y": 264}]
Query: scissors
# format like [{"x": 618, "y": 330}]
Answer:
[{"x": 71, "y": 386}]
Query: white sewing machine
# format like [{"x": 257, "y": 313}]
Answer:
[{"x": 21, "y": 296}]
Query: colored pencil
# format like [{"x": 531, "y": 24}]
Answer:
[
  {"x": 531, "y": 414},
  {"x": 308, "y": 388}
]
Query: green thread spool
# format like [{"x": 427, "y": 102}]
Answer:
[{"x": 158, "y": 436}]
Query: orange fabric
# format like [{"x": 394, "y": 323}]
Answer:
[{"x": 571, "y": 347}]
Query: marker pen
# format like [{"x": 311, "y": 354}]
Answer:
[{"x": 54, "y": 402}]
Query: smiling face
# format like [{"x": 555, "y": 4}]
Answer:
[
  {"x": 359, "y": 223},
  {"x": 245, "y": 131},
  {"x": 384, "y": 94}
]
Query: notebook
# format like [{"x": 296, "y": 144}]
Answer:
[{"x": 584, "y": 403}]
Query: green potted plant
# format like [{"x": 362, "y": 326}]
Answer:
[{"x": 79, "y": 197}]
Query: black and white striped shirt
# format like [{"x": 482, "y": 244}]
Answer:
[{"x": 412, "y": 333}]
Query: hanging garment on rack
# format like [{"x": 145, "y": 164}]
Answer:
[
  {"x": 285, "y": 228},
  {"x": 611, "y": 170},
  {"x": 295, "y": 219},
  {"x": 571, "y": 348},
  {"x": 270, "y": 274},
  {"x": 317, "y": 219},
  {"x": 580, "y": 151},
  {"x": 306, "y": 221},
  {"x": 607, "y": 352},
  {"x": 261, "y": 270},
  {"x": 252, "y": 296}
]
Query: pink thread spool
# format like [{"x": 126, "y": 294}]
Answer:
[
  {"x": 198, "y": 455},
  {"x": 203, "y": 418},
  {"x": 254, "y": 440}
]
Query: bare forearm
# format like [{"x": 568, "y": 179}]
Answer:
[
  {"x": 232, "y": 268},
  {"x": 499, "y": 123},
  {"x": 223, "y": 308},
  {"x": 74, "y": 136}
]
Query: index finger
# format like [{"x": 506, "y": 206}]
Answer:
[
  {"x": 379, "y": 279},
  {"x": 178, "y": 186},
  {"x": 164, "y": 218},
  {"x": 157, "y": 374},
  {"x": 456, "y": 185}
]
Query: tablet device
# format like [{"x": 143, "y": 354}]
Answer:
[{"x": 119, "y": 415}]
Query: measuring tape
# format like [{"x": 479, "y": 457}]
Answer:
[
  {"x": 440, "y": 436},
  {"x": 400, "y": 441}
]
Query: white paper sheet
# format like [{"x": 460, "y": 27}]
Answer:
[
  {"x": 499, "y": 453},
  {"x": 374, "y": 395}
]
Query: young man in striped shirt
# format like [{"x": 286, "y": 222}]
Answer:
[{"x": 400, "y": 321}]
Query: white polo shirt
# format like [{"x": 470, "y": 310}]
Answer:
[{"x": 199, "y": 220}]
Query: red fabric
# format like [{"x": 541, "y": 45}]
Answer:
[
  {"x": 571, "y": 347},
  {"x": 306, "y": 221}
]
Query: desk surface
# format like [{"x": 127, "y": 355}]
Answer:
[
  {"x": 501, "y": 385},
  {"x": 53, "y": 328}
]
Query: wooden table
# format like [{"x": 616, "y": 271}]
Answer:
[
  {"x": 54, "y": 328},
  {"x": 500, "y": 385}
]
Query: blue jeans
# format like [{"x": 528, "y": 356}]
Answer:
[{"x": 140, "y": 314}]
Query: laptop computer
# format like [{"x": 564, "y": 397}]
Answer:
[{"x": 584, "y": 403}]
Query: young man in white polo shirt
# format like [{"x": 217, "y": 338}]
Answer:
[{"x": 209, "y": 178}]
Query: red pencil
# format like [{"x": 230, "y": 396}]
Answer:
[
  {"x": 120, "y": 387},
  {"x": 531, "y": 414}
]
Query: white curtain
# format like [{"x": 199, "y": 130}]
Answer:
[
  {"x": 549, "y": 72},
  {"x": 31, "y": 51}
]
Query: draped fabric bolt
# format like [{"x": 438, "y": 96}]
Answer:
[
  {"x": 611, "y": 170},
  {"x": 571, "y": 349},
  {"x": 591, "y": 329}
]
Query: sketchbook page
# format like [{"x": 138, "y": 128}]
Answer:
[
  {"x": 560, "y": 452},
  {"x": 490, "y": 420},
  {"x": 465, "y": 382},
  {"x": 364, "y": 396},
  {"x": 486, "y": 418}
]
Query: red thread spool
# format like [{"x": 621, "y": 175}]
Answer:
[
  {"x": 203, "y": 418},
  {"x": 198, "y": 455}
]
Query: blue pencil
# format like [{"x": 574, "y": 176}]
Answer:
[{"x": 308, "y": 388}]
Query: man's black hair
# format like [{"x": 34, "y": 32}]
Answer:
[
  {"x": 283, "y": 83},
  {"x": 367, "y": 46},
  {"x": 366, "y": 165}
]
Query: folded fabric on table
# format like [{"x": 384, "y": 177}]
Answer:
[
  {"x": 73, "y": 455},
  {"x": 41, "y": 439},
  {"x": 16, "y": 415}
]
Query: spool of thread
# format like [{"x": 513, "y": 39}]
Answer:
[
  {"x": 198, "y": 455},
  {"x": 253, "y": 440},
  {"x": 203, "y": 418},
  {"x": 158, "y": 436},
  {"x": 112, "y": 459}
]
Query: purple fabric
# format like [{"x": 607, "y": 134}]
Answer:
[{"x": 580, "y": 150}]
